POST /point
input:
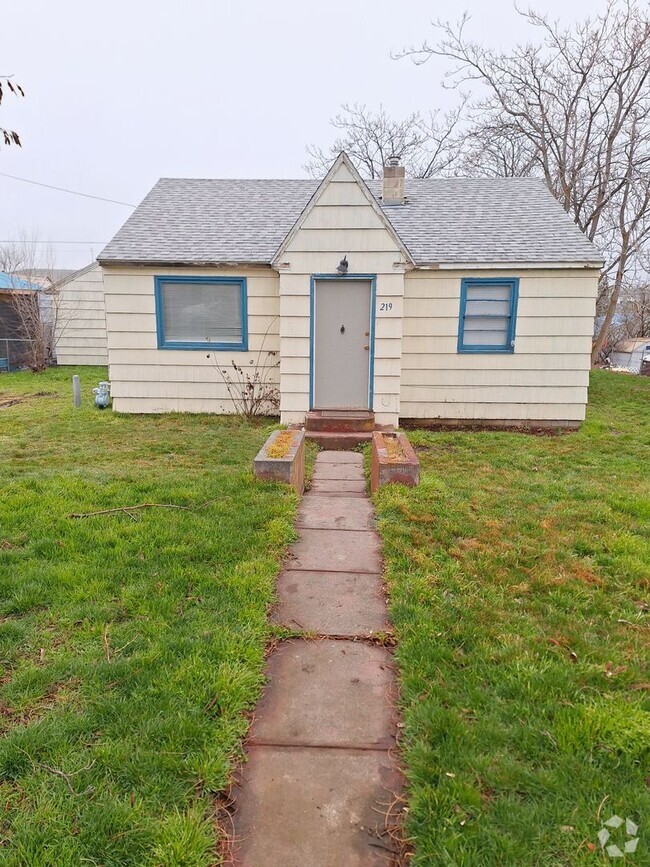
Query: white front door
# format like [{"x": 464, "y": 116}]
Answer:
[{"x": 341, "y": 349}]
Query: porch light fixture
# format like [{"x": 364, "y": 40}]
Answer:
[{"x": 343, "y": 266}]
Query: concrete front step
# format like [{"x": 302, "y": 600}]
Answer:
[
  {"x": 340, "y": 421},
  {"x": 338, "y": 441}
]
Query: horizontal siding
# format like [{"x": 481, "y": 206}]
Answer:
[
  {"x": 342, "y": 194},
  {"x": 546, "y": 378},
  {"x": 538, "y": 345},
  {"x": 147, "y": 379},
  {"x": 360, "y": 262},
  {"x": 206, "y": 403},
  {"x": 350, "y": 240},
  {"x": 291, "y": 364},
  {"x": 536, "y": 307},
  {"x": 553, "y": 284},
  {"x": 199, "y": 373},
  {"x": 214, "y": 390},
  {"x": 527, "y": 326},
  {"x": 84, "y": 358},
  {"x": 294, "y": 326},
  {"x": 475, "y": 411},
  {"x": 494, "y": 394},
  {"x": 139, "y": 281},
  {"x": 132, "y": 356},
  {"x": 333, "y": 217},
  {"x": 432, "y": 361},
  {"x": 448, "y": 377},
  {"x": 81, "y": 320}
]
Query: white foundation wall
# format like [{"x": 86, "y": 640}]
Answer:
[
  {"x": 145, "y": 379},
  {"x": 341, "y": 223},
  {"x": 81, "y": 319},
  {"x": 545, "y": 379}
]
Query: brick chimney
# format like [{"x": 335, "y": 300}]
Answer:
[{"x": 392, "y": 188}]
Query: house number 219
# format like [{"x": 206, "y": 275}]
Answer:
[{"x": 386, "y": 305}]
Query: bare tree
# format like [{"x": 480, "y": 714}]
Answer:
[
  {"x": 426, "y": 146},
  {"x": 633, "y": 310},
  {"x": 9, "y": 136},
  {"x": 575, "y": 109},
  {"x": 37, "y": 310}
]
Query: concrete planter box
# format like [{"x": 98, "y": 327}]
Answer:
[
  {"x": 393, "y": 462},
  {"x": 289, "y": 468}
]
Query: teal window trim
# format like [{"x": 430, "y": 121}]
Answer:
[
  {"x": 235, "y": 346},
  {"x": 473, "y": 282}
]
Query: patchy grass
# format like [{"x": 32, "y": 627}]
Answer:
[
  {"x": 519, "y": 574},
  {"x": 131, "y": 644}
]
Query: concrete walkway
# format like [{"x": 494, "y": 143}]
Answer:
[{"x": 321, "y": 777}]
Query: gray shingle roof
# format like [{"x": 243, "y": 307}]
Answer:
[{"x": 443, "y": 221}]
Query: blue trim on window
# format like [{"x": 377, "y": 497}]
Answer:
[
  {"x": 236, "y": 346},
  {"x": 471, "y": 282},
  {"x": 373, "y": 304}
]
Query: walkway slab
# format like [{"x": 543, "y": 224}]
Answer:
[
  {"x": 335, "y": 513},
  {"x": 339, "y": 486},
  {"x": 326, "y": 457},
  {"x": 327, "y": 694},
  {"x": 331, "y": 603},
  {"x": 345, "y": 472},
  {"x": 336, "y": 551},
  {"x": 303, "y": 807},
  {"x": 321, "y": 774}
]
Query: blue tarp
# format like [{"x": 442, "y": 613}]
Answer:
[{"x": 10, "y": 281}]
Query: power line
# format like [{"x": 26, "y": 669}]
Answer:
[
  {"x": 64, "y": 190},
  {"x": 31, "y": 241}
]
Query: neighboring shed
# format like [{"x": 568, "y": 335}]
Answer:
[
  {"x": 14, "y": 342},
  {"x": 630, "y": 354},
  {"x": 81, "y": 318},
  {"x": 464, "y": 301}
]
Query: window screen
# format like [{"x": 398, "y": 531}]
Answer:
[
  {"x": 201, "y": 312},
  {"x": 487, "y": 315}
]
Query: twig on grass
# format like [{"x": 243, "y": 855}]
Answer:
[
  {"x": 634, "y": 625},
  {"x": 59, "y": 773},
  {"x": 128, "y": 509},
  {"x": 66, "y": 777}
]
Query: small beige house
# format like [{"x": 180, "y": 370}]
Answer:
[
  {"x": 440, "y": 301},
  {"x": 81, "y": 317}
]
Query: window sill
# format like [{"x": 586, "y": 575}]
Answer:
[
  {"x": 485, "y": 350},
  {"x": 210, "y": 347}
]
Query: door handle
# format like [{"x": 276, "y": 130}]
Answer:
[
  {"x": 366, "y": 346},
  {"x": 342, "y": 329}
]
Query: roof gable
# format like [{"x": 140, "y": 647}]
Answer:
[{"x": 341, "y": 168}]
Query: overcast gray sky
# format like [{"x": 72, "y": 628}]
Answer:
[{"x": 121, "y": 93}]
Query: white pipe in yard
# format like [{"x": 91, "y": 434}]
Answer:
[{"x": 76, "y": 391}]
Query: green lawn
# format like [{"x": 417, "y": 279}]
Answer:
[
  {"x": 519, "y": 574},
  {"x": 130, "y": 645}
]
